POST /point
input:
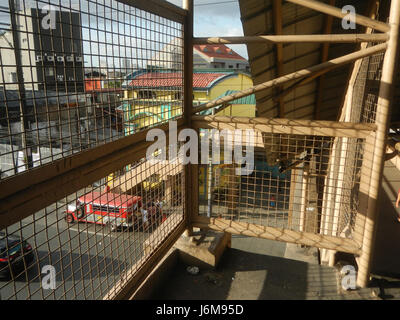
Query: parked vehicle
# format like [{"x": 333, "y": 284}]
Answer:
[
  {"x": 152, "y": 214},
  {"x": 106, "y": 208},
  {"x": 15, "y": 255}
]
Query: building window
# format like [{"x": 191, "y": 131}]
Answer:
[
  {"x": 146, "y": 94},
  {"x": 230, "y": 67},
  {"x": 49, "y": 71},
  {"x": 13, "y": 77},
  {"x": 178, "y": 96}
]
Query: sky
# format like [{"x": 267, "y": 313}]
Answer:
[
  {"x": 217, "y": 18},
  {"x": 211, "y": 18}
]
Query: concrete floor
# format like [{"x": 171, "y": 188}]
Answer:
[
  {"x": 257, "y": 269},
  {"x": 387, "y": 248}
]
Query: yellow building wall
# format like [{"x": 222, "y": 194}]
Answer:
[
  {"x": 238, "y": 110},
  {"x": 150, "y": 115},
  {"x": 200, "y": 95},
  {"x": 238, "y": 83}
]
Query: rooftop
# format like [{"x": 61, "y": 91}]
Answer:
[
  {"x": 218, "y": 51},
  {"x": 165, "y": 79}
]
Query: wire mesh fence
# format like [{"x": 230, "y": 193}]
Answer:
[
  {"x": 76, "y": 74},
  {"x": 366, "y": 90},
  {"x": 302, "y": 183},
  {"x": 82, "y": 245}
]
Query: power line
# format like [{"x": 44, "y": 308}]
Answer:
[{"x": 213, "y": 3}]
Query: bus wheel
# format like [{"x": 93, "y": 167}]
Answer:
[
  {"x": 69, "y": 218},
  {"x": 112, "y": 226}
]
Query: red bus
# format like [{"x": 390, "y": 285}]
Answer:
[{"x": 106, "y": 208}]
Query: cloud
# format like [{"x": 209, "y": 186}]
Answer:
[{"x": 217, "y": 20}]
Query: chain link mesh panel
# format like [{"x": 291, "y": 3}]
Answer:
[
  {"x": 80, "y": 246},
  {"x": 300, "y": 183},
  {"x": 76, "y": 74}
]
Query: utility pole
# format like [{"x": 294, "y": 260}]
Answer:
[{"x": 27, "y": 150}]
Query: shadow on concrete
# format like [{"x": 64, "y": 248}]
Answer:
[
  {"x": 386, "y": 260},
  {"x": 71, "y": 266},
  {"x": 252, "y": 276}
]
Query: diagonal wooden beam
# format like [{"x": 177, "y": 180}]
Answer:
[
  {"x": 336, "y": 12},
  {"x": 323, "y": 67},
  {"x": 324, "y": 57},
  {"x": 277, "y": 20}
]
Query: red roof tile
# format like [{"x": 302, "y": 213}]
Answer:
[
  {"x": 218, "y": 51},
  {"x": 175, "y": 79}
]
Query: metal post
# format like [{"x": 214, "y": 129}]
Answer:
[
  {"x": 382, "y": 119},
  {"x": 209, "y": 188},
  {"x": 21, "y": 87},
  {"x": 191, "y": 170}
]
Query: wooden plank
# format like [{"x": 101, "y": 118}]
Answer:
[
  {"x": 25, "y": 202},
  {"x": 140, "y": 173},
  {"x": 336, "y": 12},
  {"x": 278, "y": 234},
  {"x": 31, "y": 178},
  {"x": 286, "y": 126}
]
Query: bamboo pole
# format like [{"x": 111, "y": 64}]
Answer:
[
  {"x": 336, "y": 12},
  {"x": 287, "y": 126},
  {"x": 278, "y": 234},
  {"x": 312, "y": 38},
  {"x": 382, "y": 122},
  {"x": 326, "y": 66},
  {"x": 252, "y": 122}
]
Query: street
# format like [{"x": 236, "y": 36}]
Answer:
[{"x": 88, "y": 259}]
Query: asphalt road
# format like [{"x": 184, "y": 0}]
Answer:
[{"x": 88, "y": 259}]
